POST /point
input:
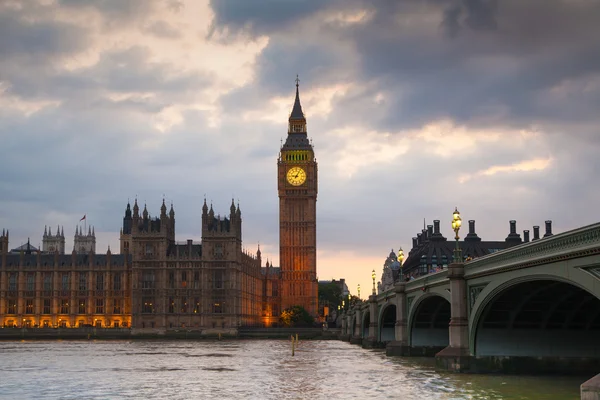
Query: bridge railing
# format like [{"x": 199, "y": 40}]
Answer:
[{"x": 577, "y": 240}]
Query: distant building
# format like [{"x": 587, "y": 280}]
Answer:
[
  {"x": 431, "y": 251},
  {"x": 26, "y": 248}
]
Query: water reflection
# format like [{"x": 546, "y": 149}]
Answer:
[{"x": 261, "y": 369}]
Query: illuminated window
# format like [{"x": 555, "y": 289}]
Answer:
[
  {"x": 183, "y": 279},
  {"x": 64, "y": 306},
  {"x": 217, "y": 308},
  {"x": 184, "y": 305},
  {"x": 29, "y": 306},
  {"x": 82, "y": 306},
  {"x": 197, "y": 305},
  {"x": 116, "y": 306},
  {"x": 11, "y": 307},
  {"x": 147, "y": 305},
  {"x": 171, "y": 305}
]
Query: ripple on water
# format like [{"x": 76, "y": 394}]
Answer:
[{"x": 261, "y": 369}]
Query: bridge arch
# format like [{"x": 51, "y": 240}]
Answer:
[
  {"x": 387, "y": 322},
  {"x": 536, "y": 316},
  {"x": 428, "y": 323},
  {"x": 366, "y": 320}
]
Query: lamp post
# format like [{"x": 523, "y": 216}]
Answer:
[
  {"x": 456, "y": 223},
  {"x": 373, "y": 276},
  {"x": 401, "y": 260},
  {"x": 358, "y": 290}
]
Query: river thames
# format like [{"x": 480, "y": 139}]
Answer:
[{"x": 246, "y": 369}]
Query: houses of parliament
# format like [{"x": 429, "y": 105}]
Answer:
[{"x": 156, "y": 283}]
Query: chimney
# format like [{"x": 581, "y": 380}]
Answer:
[
  {"x": 472, "y": 235},
  {"x": 436, "y": 227},
  {"x": 536, "y": 232},
  {"x": 429, "y": 231},
  {"x": 513, "y": 237},
  {"x": 415, "y": 243},
  {"x": 419, "y": 239},
  {"x": 526, "y": 236},
  {"x": 424, "y": 236},
  {"x": 548, "y": 229}
]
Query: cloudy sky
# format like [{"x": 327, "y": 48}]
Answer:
[{"x": 414, "y": 107}]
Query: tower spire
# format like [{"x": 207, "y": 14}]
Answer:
[{"x": 297, "y": 113}]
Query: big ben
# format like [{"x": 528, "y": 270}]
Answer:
[{"x": 297, "y": 186}]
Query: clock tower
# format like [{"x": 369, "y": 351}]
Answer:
[{"x": 297, "y": 186}]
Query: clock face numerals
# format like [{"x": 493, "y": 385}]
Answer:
[{"x": 296, "y": 176}]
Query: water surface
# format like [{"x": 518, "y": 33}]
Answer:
[{"x": 255, "y": 369}]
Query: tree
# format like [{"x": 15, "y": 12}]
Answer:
[
  {"x": 296, "y": 316},
  {"x": 330, "y": 294}
]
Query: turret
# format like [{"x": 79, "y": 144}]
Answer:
[
  {"x": 163, "y": 209},
  {"x": 232, "y": 210},
  {"x": 145, "y": 213},
  {"x": 172, "y": 213},
  {"x": 136, "y": 209}
]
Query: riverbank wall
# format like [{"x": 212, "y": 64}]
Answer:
[{"x": 152, "y": 333}]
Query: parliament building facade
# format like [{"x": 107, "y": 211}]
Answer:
[{"x": 156, "y": 283}]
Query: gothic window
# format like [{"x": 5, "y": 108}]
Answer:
[
  {"x": 147, "y": 305},
  {"x": 29, "y": 306},
  {"x": 171, "y": 305},
  {"x": 218, "y": 251},
  {"x": 30, "y": 282},
  {"x": 196, "y": 279},
  {"x": 47, "y": 307},
  {"x": 116, "y": 306},
  {"x": 48, "y": 281},
  {"x": 183, "y": 279},
  {"x": 149, "y": 249},
  {"x": 99, "y": 306},
  {"x": 12, "y": 282},
  {"x": 11, "y": 306},
  {"x": 217, "y": 308},
  {"x": 82, "y": 307},
  {"x": 184, "y": 305},
  {"x": 83, "y": 281},
  {"x": 148, "y": 279},
  {"x": 117, "y": 281},
  {"x": 171, "y": 280},
  {"x": 196, "y": 305},
  {"x": 65, "y": 281},
  {"x": 64, "y": 306},
  {"x": 218, "y": 279},
  {"x": 100, "y": 281}
]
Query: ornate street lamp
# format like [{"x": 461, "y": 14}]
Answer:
[
  {"x": 456, "y": 223},
  {"x": 358, "y": 290},
  {"x": 373, "y": 276},
  {"x": 401, "y": 260}
]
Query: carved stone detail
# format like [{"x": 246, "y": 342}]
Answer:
[{"x": 473, "y": 293}]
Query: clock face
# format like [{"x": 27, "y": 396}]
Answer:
[{"x": 296, "y": 176}]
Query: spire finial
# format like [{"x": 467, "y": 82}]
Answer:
[{"x": 297, "y": 81}]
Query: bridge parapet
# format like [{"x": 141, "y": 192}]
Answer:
[{"x": 578, "y": 242}]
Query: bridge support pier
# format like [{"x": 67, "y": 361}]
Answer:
[
  {"x": 590, "y": 390},
  {"x": 456, "y": 357},
  {"x": 357, "y": 334},
  {"x": 344, "y": 331},
  {"x": 371, "y": 341},
  {"x": 399, "y": 346}
]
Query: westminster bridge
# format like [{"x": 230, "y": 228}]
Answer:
[{"x": 534, "y": 307}]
